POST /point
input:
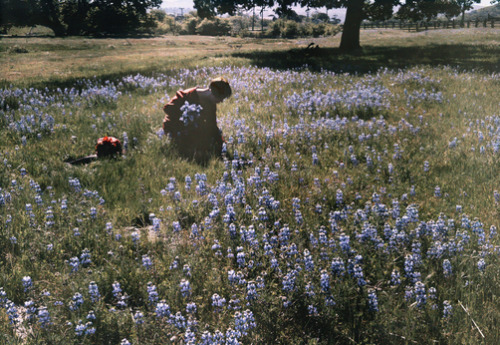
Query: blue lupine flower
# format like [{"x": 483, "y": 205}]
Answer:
[
  {"x": 493, "y": 232},
  {"x": 176, "y": 226},
  {"x": 146, "y": 262},
  {"x": 218, "y": 302},
  {"x": 91, "y": 315},
  {"x": 185, "y": 288},
  {"x": 344, "y": 243},
  {"x": 76, "y": 301},
  {"x": 409, "y": 265},
  {"x": 84, "y": 329},
  {"x": 85, "y": 257},
  {"x": 191, "y": 308},
  {"x": 447, "y": 268},
  {"x": 372, "y": 300},
  {"x": 431, "y": 295},
  {"x": 315, "y": 159},
  {"x": 162, "y": 309},
  {"x": 481, "y": 265},
  {"x": 420, "y": 295},
  {"x": 339, "y": 197},
  {"x": 447, "y": 309},
  {"x": 117, "y": 290},
  {"x": 298, "y": 217},
  {"x": 337, "y": 266},
  {"x": 233, "y": 277},
  {"x": 80, "y": 328},
  {"x": 174, "y": 264},
  {"x": 152, "y": 293},
  {"x": 437, "y": 192},
  {"x": 240, "y": 257},
  {"x": 27, "y": 283},
  {"x": 234, "y": 304},
  {"x": 11, "y": 310},
  {"x": 308, "y": 260},
  {"x": 289, "y": 281},
  {"x": 94, "y": 292},
  {"x": 138, "y": 318},
  {"x": 358, "y": 274},
  {"x": 426, "y": 166},
  {"x": 252, "y": 294},
  {"x": 30, "y": 309},
  {"x": 312, "y": 310},
  {"x": 122, "y": 301},
  {"x": 244, "y": 322},
  {"x": 44, "y": 317},
  {"x": 395, "y": 277},
  {"x": 232, "y": 337},
  {"x": 190, "y": 113},
  {"x": 325, "y": 281},
  {"x": 135, "y": 237}
]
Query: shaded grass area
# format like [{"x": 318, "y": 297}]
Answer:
[
  {"x": 61, "y": 62},
  {"x": 485, "y": 58}
]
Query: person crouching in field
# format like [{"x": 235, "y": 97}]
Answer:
[{"x": 191, "y": 120}]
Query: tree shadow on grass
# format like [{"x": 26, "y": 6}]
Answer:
[
  {"x": 480, "y": 58},
  {"x": 483, "y": 58}
]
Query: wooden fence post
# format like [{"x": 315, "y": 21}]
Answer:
[
  {"x": 484, "y": 24},
  {"x": 453, "y": 23},
  {"x": 468, "y": 24},
  {"x": 493, "y": 23}
]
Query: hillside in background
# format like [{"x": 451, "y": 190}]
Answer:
[{"x": 484, "y": 12}]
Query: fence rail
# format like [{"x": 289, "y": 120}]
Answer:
[{"x": 437, "y": 24}]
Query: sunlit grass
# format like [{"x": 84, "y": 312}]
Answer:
[{"x": 399, "y": 128}]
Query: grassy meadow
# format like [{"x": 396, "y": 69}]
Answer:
[{"x": 359, "y": 205}]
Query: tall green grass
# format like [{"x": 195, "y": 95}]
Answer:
[{"x": 133, "y": 188}]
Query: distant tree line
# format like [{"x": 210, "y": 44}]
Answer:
[
  {"x": 356, "y": 11},
  {"x": 116, "y": 17},
  {"x": 80, "y": 17},
  {"x": 290, "y": 26}
]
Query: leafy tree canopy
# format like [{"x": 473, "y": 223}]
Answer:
[
  {"x": 357, "y": 11},
  {"x": 78, "y": 16}
]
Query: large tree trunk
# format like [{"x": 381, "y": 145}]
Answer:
[
  {"x": 352, "y": 26},
  {"x": 48, "y": 15},
  {"x": 58, "y": 28}
]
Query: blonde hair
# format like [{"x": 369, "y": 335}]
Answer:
[{"x": 220, "y": 87}]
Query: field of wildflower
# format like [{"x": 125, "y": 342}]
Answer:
[{"x": 355, "y": 205}]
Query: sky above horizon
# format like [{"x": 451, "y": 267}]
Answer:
[{"x": 189, "y": 3}]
